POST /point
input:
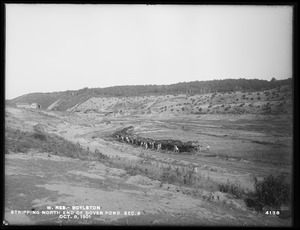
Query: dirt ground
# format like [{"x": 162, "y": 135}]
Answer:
[{"x": 242, "y": 148}]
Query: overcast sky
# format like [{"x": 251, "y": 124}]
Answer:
[{"x": 69, "y": 47}]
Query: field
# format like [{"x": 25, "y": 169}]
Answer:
[{"x": 74, "y": 158}]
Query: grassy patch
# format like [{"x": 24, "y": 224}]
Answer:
[
  {"x": 20, "y": 141},
  {"x": 233, "y": 189},
  {"x": 181, "y": 176}
]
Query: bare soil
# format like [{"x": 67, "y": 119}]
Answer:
[{"x": 241, "y": 148}]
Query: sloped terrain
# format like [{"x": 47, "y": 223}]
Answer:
[
  {"x": 158, "y": 187},
  {"x": 218, "y": 96},
  {"x": 274, "y": 101}
]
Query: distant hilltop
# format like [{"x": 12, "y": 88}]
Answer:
[{"x": 70, "y": 100}]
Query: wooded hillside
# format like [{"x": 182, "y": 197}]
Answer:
[{"x": 68, "y": 99}]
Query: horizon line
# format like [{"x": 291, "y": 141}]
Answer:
[{"x": 61, "y": 91}]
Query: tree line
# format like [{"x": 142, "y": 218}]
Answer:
[{"x": 190, "y": 88}]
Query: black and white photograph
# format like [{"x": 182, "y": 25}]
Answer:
[{"x": 148, "y": 115}]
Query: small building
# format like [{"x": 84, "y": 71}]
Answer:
[
  {"x": 35, "y": 106},
  {"x": 28, "y": 105},
  {"x": 23, "y": 105}
]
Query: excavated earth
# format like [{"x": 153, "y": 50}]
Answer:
[{"x": 36, "y": 181}]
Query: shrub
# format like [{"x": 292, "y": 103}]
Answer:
[
  {"x": 272, "y": 191},
  {"x": 99, "y": 155},
  {"x": 168, "y": 176},
  {"x": 40, "y": 136},
  {"x": 233, "y": 189},
  {"x": 188, "y": 178},
  {"x": 22, "y": 148},
  {"x": 132, "y": 170}
]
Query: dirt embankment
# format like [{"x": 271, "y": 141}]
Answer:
[{"x": 35, "y": 181}]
